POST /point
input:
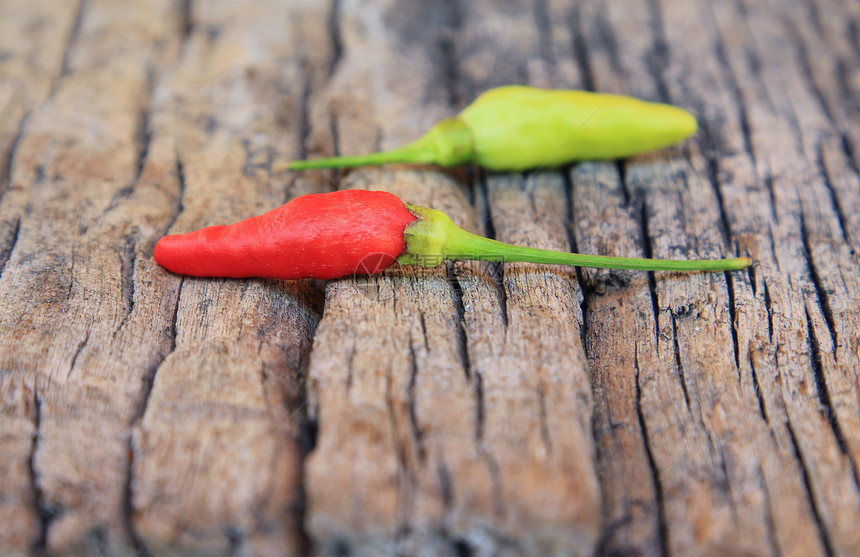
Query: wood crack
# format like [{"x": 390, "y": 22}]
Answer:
[
  {"x": 662, "y": 522},
  {"x": 821, "y": 292},
  {"x": 640, "y": 208},
  {"x": 8, "y": 246},
  {"x": 307, "y": 439},
  {"x": 308, "y": 430},
  {"x": 814, "y": 16},
  {"x": 73, "y": 258},
  {"x": 484, "y": 454},
  {"x": 544, "y": 34},
  {"x": 303, "y": 437},
  {"x": 334, "y": 129},
  {"x": 134, "y": 537},
  {"x": 148, "y": 383},
  {"x": 143, "y": 139},
  {"x": 802, "y": 54},
  {"x": 754, "y": 64},
  {"x": 580, "y": 50},
  {"x": 45, "y": 513},
  {"x": 349, "y": 367},
  {"x": 726, "y": 484},
  {"x": 652, "y": 281},
  {"x": 186, "y": 19},
  {"x": 180, "y": 206},
  {"x": 771, "y": 191},
  {"x": 462, "y": 341},
  {"x": 768, "y": 303},
  {"x": 448, "y": 49},
  {"x": 570, "y": 228},
  {"x": 446, "y": 490},
  {"x": 495, "y": 270},
  {"x": 607, "y": 37},
  {"x": 759, "y": 393},
  {"x": 78, "y": 350},
  {"x": 849, "y": 98},
  {"x": 679, "y": 366},
  {"x": 144, "y": 131},
  {"x": 65, "y": 63},
  {"x": 484, "y": 209},
  {"x": 479, "y": 406},
  {"x": 657, "y": 56},
  {"x": 834, "y": 197},
  {"x": 423, "y": 323},
  {"x": 148, "y": 380},
  {"x": 9, "y": 157},
  {"x": 733, "y": 320},
  {"x": 824, "y": 398},
  {"x": 848, "y": 149},
  {"x": 808, "y": 490},
  {"x": 770, "y": 524},
  {"x": 585, "y": 298},
  {"x": 751, "y": 274},
  {"x": 411, "y": 402},
  {"x": 304, "y": 121},
  {"x": 236, "y": 538},
  {"x": 853, "y": 33},
  {"x": 128, "y": 263},
  {"x": 335, "y": 34},
  {"x": 737, "y": 93},
  {"x": 713, "y": 172},
  {"x": 621, "y": 169},
  {"x": 405, "y": 478},
  {"x": 542, "y": 418}
]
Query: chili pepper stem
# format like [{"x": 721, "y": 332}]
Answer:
[
  {"x": 448, "y": 143},
  {"x": 435, "y": 238},
  {"x": 407, "y": 154}
]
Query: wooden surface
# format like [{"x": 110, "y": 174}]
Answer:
[{"x": 474, "y": 409}]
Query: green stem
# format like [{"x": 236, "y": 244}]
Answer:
[
  {"x": 408, "y": 154},
  {"x": 469, "y": 246},
  {"x": 448, "y": 143},
  {"x": 434, "y": 238}
]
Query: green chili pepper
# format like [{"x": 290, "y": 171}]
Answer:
[{"x": 517, "y": 127}]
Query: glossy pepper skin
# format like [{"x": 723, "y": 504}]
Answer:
[
  {"x": 518, "y": 127},
  {"x": 326, "y": 235},
  {"x": 332, "y": 235}
]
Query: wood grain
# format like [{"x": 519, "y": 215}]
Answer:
[{"x": 471, "y": 409}]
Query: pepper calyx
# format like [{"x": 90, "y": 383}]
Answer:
[
  {"x": 452, "y": 141},
  {"x": 426, "y": 238}
]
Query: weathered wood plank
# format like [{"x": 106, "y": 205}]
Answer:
[
  {"x": 62, "y": 286},
  {"x": 618, "y": 305},
  {"x": 477, "y": 408},
  {"x": 34, "y": 38},
  {"x": 786, "y": 124},
  {"x": 92, "y": 379},
  {"x": 477, "y": 463},
  {"x": 770, "y": 478},
  {"x": 395, "y": 464},
  {"x": 829, "y": 238},
  {"x": 540, "y": 365},
  {"x": 217, "y": 454},
  {"x": 828, "y": 31}
]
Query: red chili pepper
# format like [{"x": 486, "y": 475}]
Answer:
[
  {"x": 331, "y": 235},
  {"x": 324, "y": 235}
]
